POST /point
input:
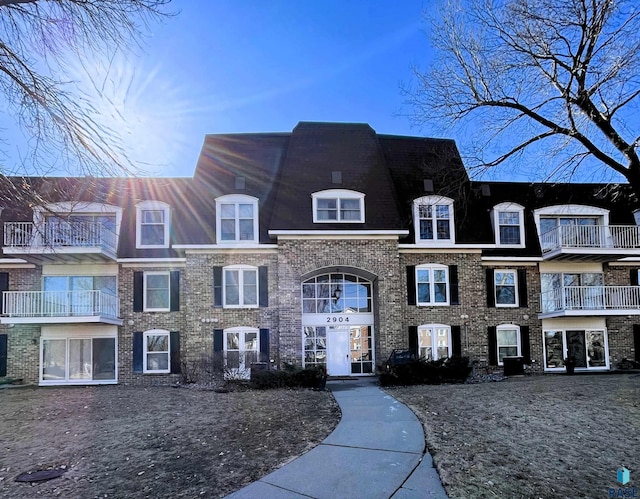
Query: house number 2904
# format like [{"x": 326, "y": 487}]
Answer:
[{"x": 337, "y": 319}]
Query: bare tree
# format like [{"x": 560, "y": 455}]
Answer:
[
  {"x": 557, "y": 77},
  {"x": 37, "y": 40}
]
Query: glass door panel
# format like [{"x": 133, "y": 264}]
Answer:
[
  {"x": 361, "y": 350},
  {"x": 54, "y": 359},
  {"x": 554, "y": 349},
  {"x": 104, "y": 358},
  {"x": 595, "y": 349},
  {"x": 80, "y": 363},
  {"x": 576, "y": 347}
]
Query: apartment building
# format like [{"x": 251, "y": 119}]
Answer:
[{"x": 328, "y": 245}]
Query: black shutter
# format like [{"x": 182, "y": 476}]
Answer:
[
  {"x": 411, "y": 284},
  {"x": 522, "y": 288},
  {"x": 491, "y": 292},
  {"x": 413, "y": 341},
  {"x": 174, "y": 352},
  {"x": 456, "y": 341},
  {"x": 633, "y": 277},
  {"x": 3, "y": 355},
  {"x": 4, "y": 286},
  {"x": 636, "y": 341},
  {"x": 138, "y": 283},
  {"x": 174, "y": 290},
  {"x": 263, "y": 285},
  {"x": 217, "y": 286},
  {"x": 264, "y": 345},
  {"x": 137, "y": 352},
  {"x": 525, "y": 344},
  {"x": 453, "y": 285},
  {"x": 493, "y": 346},
  {"x": 218, "y": 336}
]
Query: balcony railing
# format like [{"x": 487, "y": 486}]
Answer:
[
  {"x": 59, "y": 234},
  {"x": 591, "y": 298},
  {"x": 591, "y": 236},
  {"x": 42, "y": 304}
]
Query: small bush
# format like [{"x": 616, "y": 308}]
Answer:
[
  {"x": 289, "y": 377},
  {"x": 423, "y": 372}
]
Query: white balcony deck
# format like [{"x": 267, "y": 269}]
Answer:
[
  {"x": 589, "y": 301},
  {"x": 590, "y": 242},
  {"x": 60, "y": 241},
  {"x": 58, "y": 307}
]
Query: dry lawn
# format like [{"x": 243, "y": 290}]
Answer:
[
  {"x": 118, "y": 441},
  {"x": 535, "y": 437}
]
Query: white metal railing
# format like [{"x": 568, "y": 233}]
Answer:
[
  {"x": 591, "y": 236},
  {"x": 59, "y": 304},
  {"x": 590, "y": 298},
  {"x": 59, "y": 234}
]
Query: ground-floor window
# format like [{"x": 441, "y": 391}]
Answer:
[
  {"x": 361, "y": 349},
  {"x": 507, "y": 341},
  {"x": 241, "y": 348},
  {"x": 78, "y": 360},
  {"x": 588, "y": 349},
  {"x": 156, "y": 351},
  {"x": 434, "y": 341},
  {"x": 315, "y": 346}
]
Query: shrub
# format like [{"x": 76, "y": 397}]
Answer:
[
  {"x": 424, "y": 372},
  {"x": 289, "y": 377}
]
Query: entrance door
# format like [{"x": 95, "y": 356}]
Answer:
[
  {"x": 576, "y": 348},
  {"x": 338, "y": 360}
]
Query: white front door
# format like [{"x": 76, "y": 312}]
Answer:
[{"x": 338, "y": 361}]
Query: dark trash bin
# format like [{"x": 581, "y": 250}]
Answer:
[{"x": 513, "y": 366}]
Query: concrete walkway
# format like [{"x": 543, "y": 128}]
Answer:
[{"x": 376, "y": 451}]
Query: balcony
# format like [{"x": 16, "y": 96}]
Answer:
[
  {"x": 60, "y": 241},
  {"x": 577, "y": 301},
  {"x": 590, "y": 242},
  {"x": 59, "y": 307}
]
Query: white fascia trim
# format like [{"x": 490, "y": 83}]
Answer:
[
  {"x": 18, "y": 263},
  {"x": 437, "y": 250},
  {"x": 520, "y": 259},
  {"x": 356, "y": 233},
  {"x": 153, "y": 262},
  {"x": 625, "y": 262},
  {"x": 252, "y": 247},
  {"x": 446, "y": 246}
]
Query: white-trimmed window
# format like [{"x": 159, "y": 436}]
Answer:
[
  {"x": 432, "y": 284},
  {"x": 240, "y": 285},
  {"x": 338, "y": 205},
  {"x": 241, "y": 349},
  {"x": 157, "y": 291},
  {"x": 152, "y": 224},
  {"x": 506, "y": 288},
  {"x": 508, "y": 224},
  {"x": 156, "y": 352},
  {"x": 507, "y": 342},
  {"x": 434, "y": 341},
  {"x": 237, "y": 219},
  {"x": 433, "y": 219}
]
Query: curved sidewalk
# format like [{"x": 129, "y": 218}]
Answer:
[{"x": 376, "y": 451}]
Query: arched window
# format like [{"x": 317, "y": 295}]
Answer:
[
  {"x": 338, "y": 205},
  {"x": 236, "y": 219},
  {"x": 336, "y": 293}
]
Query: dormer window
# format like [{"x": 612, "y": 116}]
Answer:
[
  {"x": 433, "y": 219},
  {"x": 236, "y": 219},
  {"x": 152, "y": 227},
  {"x": 508, "y": 224},
  {"x": 338, "y": 205}
]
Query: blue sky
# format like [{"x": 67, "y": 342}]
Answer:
[{"x": 229, "y": 66}]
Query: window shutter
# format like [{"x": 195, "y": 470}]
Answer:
[
  {"x": 137, "y": 352},
  {"x": 413, "y": 341},
  {"x": 456, "y": 341},
  {"x": 138, "y": 283},
  {"x": 217, "y": 286},
  {"x": 411, "y": 285},
  {"x": 636, "y": 341},
  {"x": 218, "y": 336},
  {"x": 493, "y": 346},
  {"x": 263, "y": 285},
  {"x": 633, "y": 277},
  {"x": 453, "y": 285},
  {"x": 174, "y": 290},
  {"x": 491, "y": 292},
  {"x": 4, "y": 286},
  {"x": 3, "y": 354},
  {"x": 525, "y": 344},
  {"x": 522, "y": 288},
  {"x": 264, "y": 345},
  {"x": 174, "y": 351}
]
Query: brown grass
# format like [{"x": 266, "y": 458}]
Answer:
[
  {"x": 536, "y": 437},
  {"x": 118, "y": 441}
]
